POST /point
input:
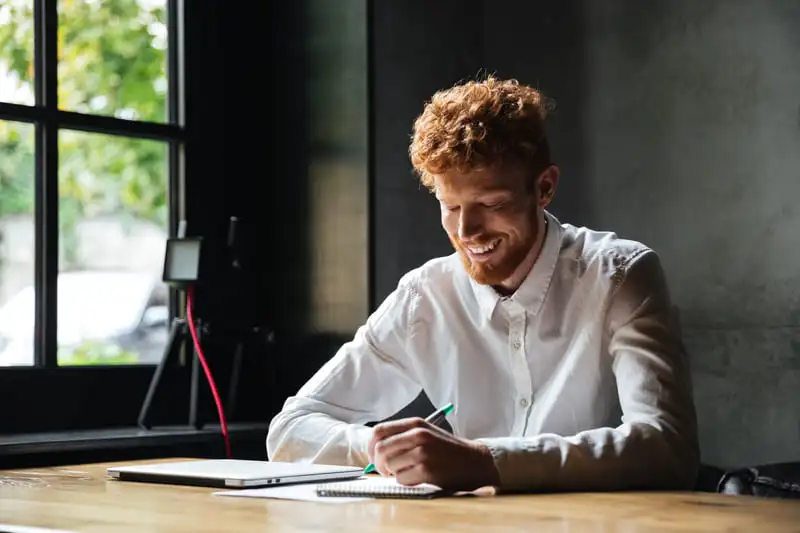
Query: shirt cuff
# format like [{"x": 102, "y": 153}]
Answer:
[
  {"x": 359, "y": 437},
  {"x": 514, "y": 474}
]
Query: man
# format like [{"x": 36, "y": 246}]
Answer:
[{"x": 554, "y": 342}]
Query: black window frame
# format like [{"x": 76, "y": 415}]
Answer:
[{"x": 45, "y": 396}]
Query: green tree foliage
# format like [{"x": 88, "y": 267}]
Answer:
[
  {"x": 16, "y": 168},
  {"x": 93, "y": 353},
  {"x": 111, "y": 62}
]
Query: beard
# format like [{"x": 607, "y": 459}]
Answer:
[
  {"x": 509, "y": 254},
  {"x": 500, "y": 268}
]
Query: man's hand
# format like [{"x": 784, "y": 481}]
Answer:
[{"x": 418, "y": 452}]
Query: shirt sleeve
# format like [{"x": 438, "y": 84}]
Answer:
[
  {"x": 655, "y": 446},
  {"x": 369, "y": 378}
]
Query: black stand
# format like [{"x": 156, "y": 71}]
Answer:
[{"x": 179, "y": 337}]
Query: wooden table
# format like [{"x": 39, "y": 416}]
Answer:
[{"x": 81, "y": 498}]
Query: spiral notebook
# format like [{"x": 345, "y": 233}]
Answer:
[{"x": 378, "y": 487}]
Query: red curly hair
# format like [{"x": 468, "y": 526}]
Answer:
[{"x": 480, "y": 124}]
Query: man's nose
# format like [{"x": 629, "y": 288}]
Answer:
[{"x": 469, "y": 224}]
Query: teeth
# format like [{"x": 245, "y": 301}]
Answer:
[{"x": 483, "y": 249}]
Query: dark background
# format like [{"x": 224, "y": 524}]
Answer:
[{"x": 677, "y": 123}]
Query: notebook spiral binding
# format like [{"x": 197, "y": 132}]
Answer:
[{"x": 377, "y": 490}]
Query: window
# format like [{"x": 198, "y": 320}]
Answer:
[
  {"x": 338, "y": 166},
  {"x": 91, "y": 139}
]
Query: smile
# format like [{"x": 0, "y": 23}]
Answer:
[{"x": 484, "y": 250}]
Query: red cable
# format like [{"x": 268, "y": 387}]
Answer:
[{"x": 190, "y": 317}]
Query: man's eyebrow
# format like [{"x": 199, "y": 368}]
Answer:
[
  {"x": 497, "y": 193},
  {"x": 483, "y": 196}
]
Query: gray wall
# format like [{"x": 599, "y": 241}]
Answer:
[
  {"x": 678, "y": 124},
  {"x": 418, "y": 47}
]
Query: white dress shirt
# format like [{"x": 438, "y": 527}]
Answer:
[{"x": 578, "y": 381}]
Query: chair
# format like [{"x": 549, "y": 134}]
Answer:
[{"x": 775, "y": 480}]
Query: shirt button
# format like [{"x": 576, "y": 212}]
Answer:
[
  {"x": 523, "y": 402},
  {"x": 517, "y": 345}
]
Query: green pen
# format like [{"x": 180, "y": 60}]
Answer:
[{"x": 434, "y": 418}]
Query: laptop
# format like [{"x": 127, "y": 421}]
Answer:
[{"x": 233, "y": 473}]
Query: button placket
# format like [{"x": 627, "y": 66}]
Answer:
[{"x": 519, "y": 365}]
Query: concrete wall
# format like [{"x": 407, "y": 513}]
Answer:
[
  {"x": 694, "y": 121},
  {"x": 678, "y": 124}
]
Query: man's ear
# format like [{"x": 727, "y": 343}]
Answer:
[{"x": 547, "y": 183}]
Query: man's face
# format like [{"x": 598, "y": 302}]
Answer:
[{"x": 493, "y": 217}]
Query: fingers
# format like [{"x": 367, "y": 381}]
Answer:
[
  {"x": 385, "y": 430},
  {"x": 400, "y": 451},
  {"x": 401, "y": 460},
  {"x": 414, "y": 475}
]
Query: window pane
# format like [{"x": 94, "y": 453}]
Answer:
[
  {"x": 337, "y": 171},
  {"x": 16, "y": 52},
  {"x": 112, "y": 58},
  {"x": 17, "y": 252},
  {"x": 112, "y": 305}
]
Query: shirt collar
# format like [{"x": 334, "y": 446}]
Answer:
[{"x": 532, "y": 292}]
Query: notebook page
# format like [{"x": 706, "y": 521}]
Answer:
[{"x": 303, "y": 492}]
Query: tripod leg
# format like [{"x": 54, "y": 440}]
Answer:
[
  {"x": 195, "y": 417},
  {"x": 171, "y": 351},
  {"x": 234, "y": 382}
]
